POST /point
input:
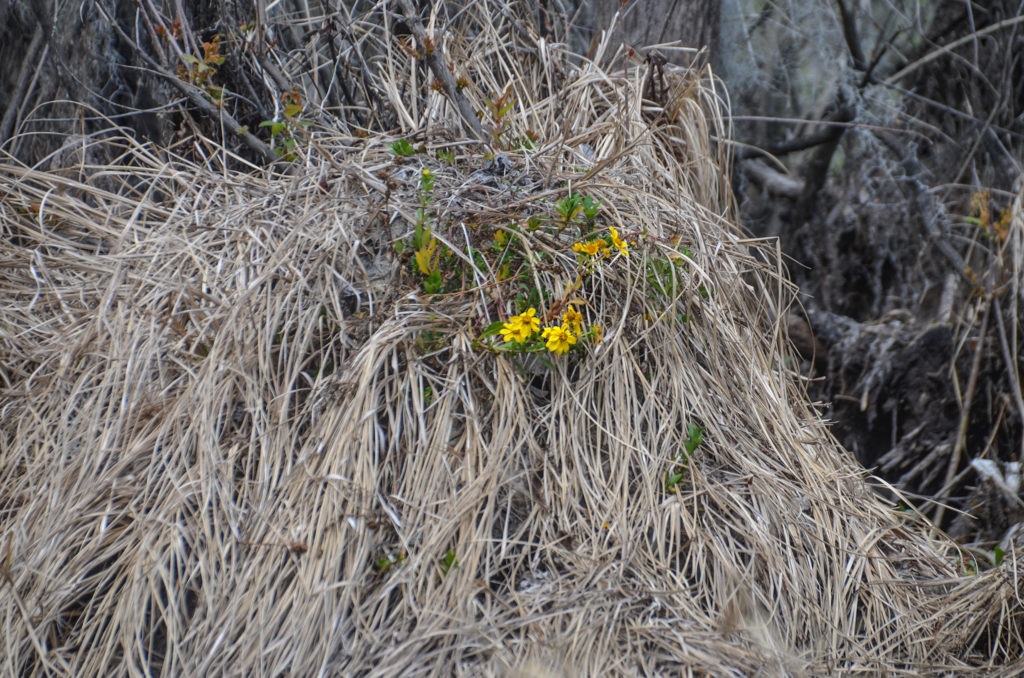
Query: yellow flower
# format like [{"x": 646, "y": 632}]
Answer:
[
  {"x": 426, "y": 173},
  {"x": 617, "y": 241},
  {"x": 559, "y": 338},
  {"x": 592, "y": 248},
  {"x": 520, "y": 327},
  {"x": 573, "y": 318},
  {"x": 517, "y": 333},
  {"x": 598, "y": 333}
]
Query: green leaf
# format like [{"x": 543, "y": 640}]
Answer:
[
  {"x": 694, "y": 437},
  {"x": 492, "y": 329},
  {"x": 291, "y": 110},
  {"x": 424, "y": 256},
  {"x": 421, "y": 234},
  {"x": 998, "y": 555},
  {"x": 505, "y": 109}
]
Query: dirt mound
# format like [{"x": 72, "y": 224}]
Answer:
[{"x": 304, "y": 422}]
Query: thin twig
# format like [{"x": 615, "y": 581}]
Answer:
[
  {"x": 1012, "y": 369},
  {"x": 947, "y": 49},
  {"x": 965, "y": 416}
]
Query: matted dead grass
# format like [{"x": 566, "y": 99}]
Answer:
[{"x": 238, "y": 439}]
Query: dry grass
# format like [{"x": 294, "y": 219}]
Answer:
[{"x": 224, "y": 401}]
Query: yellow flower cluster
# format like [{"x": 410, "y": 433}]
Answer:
[
  {"x": 521, "y": 327},
  {"x": 557, "y": 338},
  {"x": 599, "y": 246},
  {"x": 593, "y": 248}
]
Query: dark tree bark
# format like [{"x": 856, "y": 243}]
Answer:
[{"x": 695, "y": 23}]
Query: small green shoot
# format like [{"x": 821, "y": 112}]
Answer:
[
  {"x": 385, "y": 564},
  {"x": 527, "y": 143},
  {"x": 590, "y": 208},
  {"x": 498, "y": 109},
  {"x": 448, "y": 562},
  {"x": 694, "y": 437}
]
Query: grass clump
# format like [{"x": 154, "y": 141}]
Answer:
[{"x": 243, "y": 434}]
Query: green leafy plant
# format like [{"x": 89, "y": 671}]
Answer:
[
  {"x": 694, "y": 437},
  {"x": 425, "y": 245},
  {"x": 285, "y": 133},
  {"x": 402, "y": 148},
  {"x": 562, "y": 328},
  {"x": 200, "y": 72},
  {"x": 568, "y": 208},
  {"x": 497, "y": 110},
  {"x": 446, "y": 156}
]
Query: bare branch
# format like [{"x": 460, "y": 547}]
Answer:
[
  {"x": 851, "y": 36},
  {"x": 773, "y": 180},
  {"x": 440, "y": 69}
]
